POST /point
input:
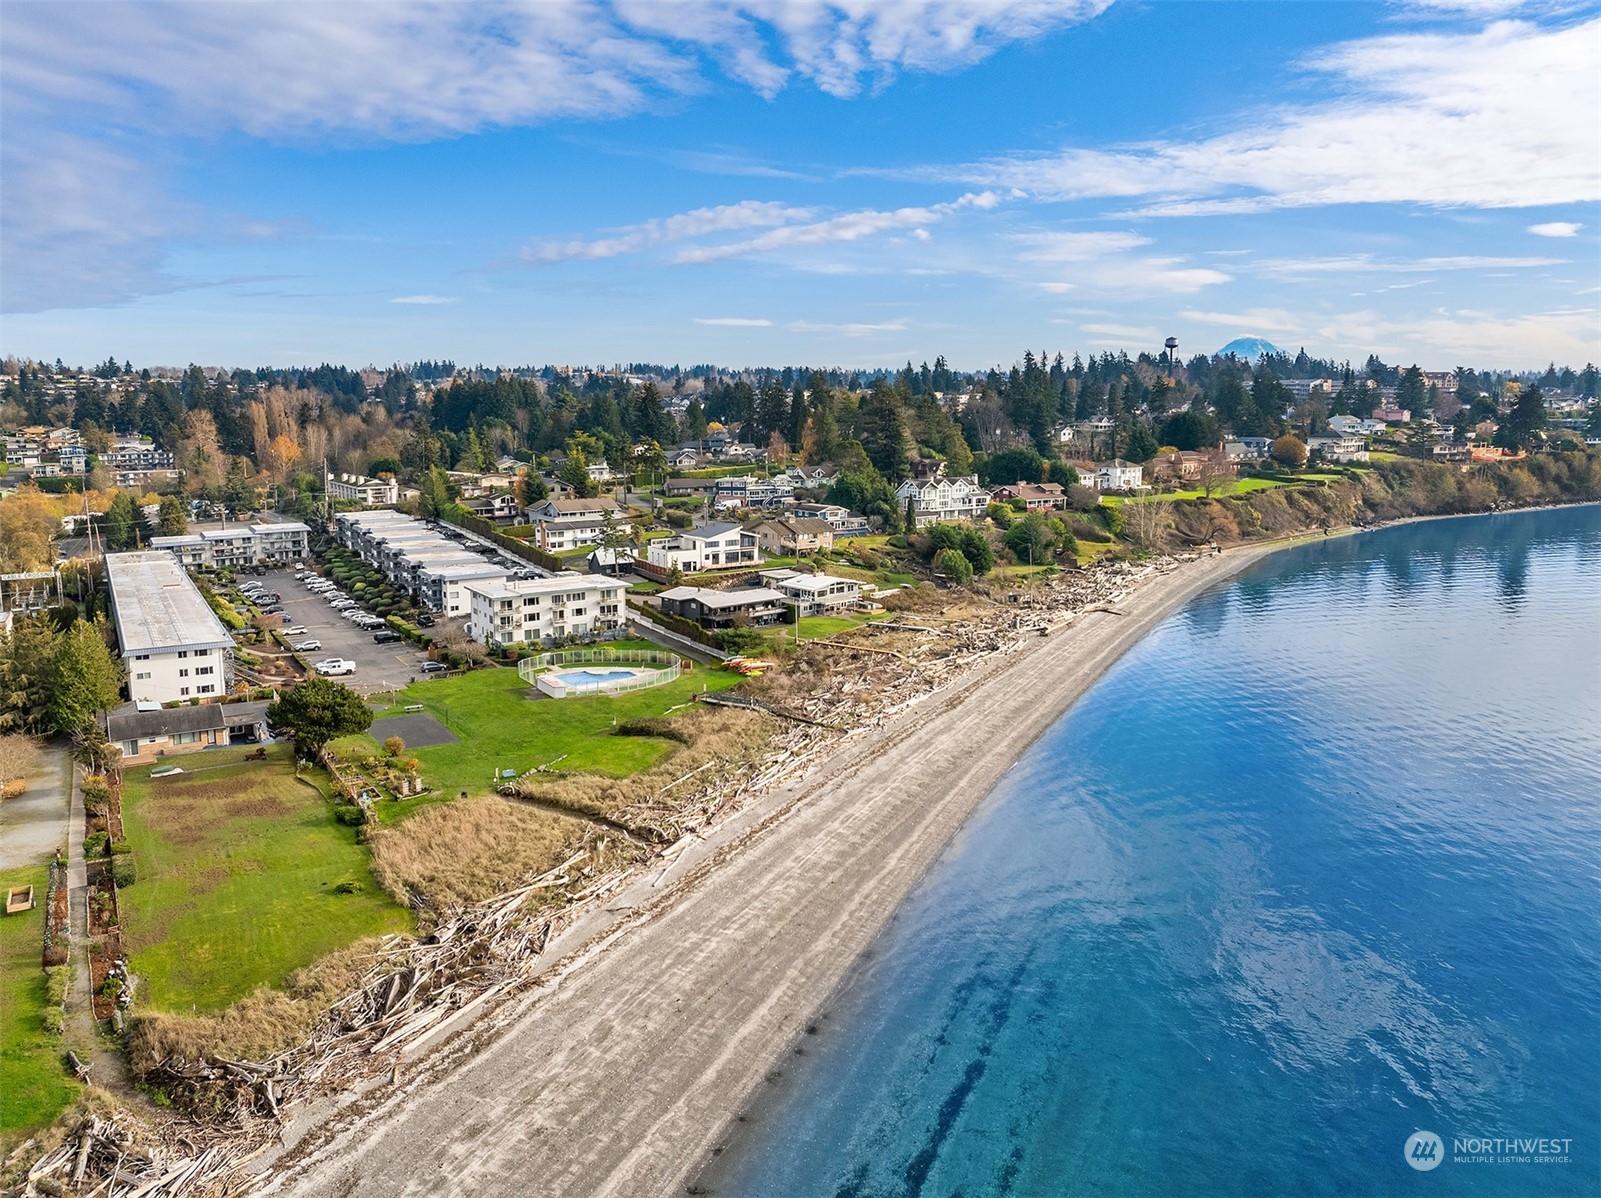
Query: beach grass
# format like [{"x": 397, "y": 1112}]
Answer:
[
  {"x": 503, "y": 723},
  {"x": 35, "y": 1086},
  {"x": 240, "y": 867}
]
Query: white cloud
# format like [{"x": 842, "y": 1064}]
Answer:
[
  {"x": 1444, "y": 119},
  {"x": 1101, "y": 262},
  {"x": 1359, "y": 263},
  {"x": 848, "y": 226},
  {"x": 86, "y": 224},
  {"x": 735, "y": 322},
  {"x": 1556, "y": 228},
  {"x": 425, "y": 299},
  {"x": 1077, "y": 247},
  {"x": 846, "y": 330},
  {"x": 747, "y": 214}
]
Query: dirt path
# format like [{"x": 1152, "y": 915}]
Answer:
[{"x": 620, "y": 1075}]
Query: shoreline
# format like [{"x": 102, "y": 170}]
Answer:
[{"x": 660, "y": 1048}]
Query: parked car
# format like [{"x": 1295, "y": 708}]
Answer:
[
  {"x": 425, "y": 621},
  {"x": 387, "y": 637},
  {"x": 272, "y": 610},
  {"x": 268, "y": 597},
  {"x": 341, "y": 604},
  {"x": 434, "y": 667},
  {"x": 336, "y": 667},
  {"x": 306, "y": 646},
  {"x": 295, "y": 630}
]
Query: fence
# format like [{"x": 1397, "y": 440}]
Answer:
[{"x": 536, "y": 671}]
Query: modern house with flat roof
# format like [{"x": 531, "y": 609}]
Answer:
[
  {"x": 724, "y": 609},
  {"x": 172, "y": 643}
]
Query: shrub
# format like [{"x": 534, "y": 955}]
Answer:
[
  {"x": 954, "y": 566},
  {"x": 348, "y": 887},
  {"x": 395, "y": 746},
  {"x": 350, "y": 815},
  {"x": 55, "y": 985},
  {"x": 652, "y": 727},
  {"x": 94, "y": 845},
  {"x": 123, "y": 871},
  {"x": 14, "y": 788},
  {"x": 52, "y": 1019},
  {"x": 1000, "y": 514},
  {"x": 120, "y": 847}
]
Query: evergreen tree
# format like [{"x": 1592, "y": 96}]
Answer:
[
  {"x": 27, "y": 669},
  {"x": 317, "y": 711},
  {"x": 174, "y": 518},
  {"x": 1522, "y": 426},
  {"x": 85, "y": 678},
  {"x": 882, "y": 431}
]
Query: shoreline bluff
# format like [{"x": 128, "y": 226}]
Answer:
[{"x": 621, "y": 1070}]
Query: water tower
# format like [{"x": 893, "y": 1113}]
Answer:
[{"x": 1171, "y": 345}]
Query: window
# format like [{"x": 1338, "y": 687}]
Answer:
[
  {"x": 206, "y": 690},
  {"x": 202, "y": 652},
  {"x": 186, "y": 738},
  {"x": 183, "y": 690},
  {"x": 183, "y": 673},
  {"x": 206, "y": 670},
  {"x": 183, "y": 653},
  {"x": 141, "y": 657},
  {"x": 145, "y": 677}
]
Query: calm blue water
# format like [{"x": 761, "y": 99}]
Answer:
[
  {"x": 1311, "y": 869},
  {"x": 582, "y": 676}
]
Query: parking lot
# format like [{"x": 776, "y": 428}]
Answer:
[{"x": 378, "y": 667}]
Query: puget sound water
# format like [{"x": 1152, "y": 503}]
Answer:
[{"x": 1312, "y": 869}]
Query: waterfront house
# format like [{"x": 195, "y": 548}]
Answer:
[
  {"x": 943, "y": 500},
  {"x": 724, "y": 609},
  {"x": 709, "y": 547},
  {"x": 794, "y": 534}
]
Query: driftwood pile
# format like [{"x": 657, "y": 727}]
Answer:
[
  {"x": 417, "y": 989},
  {"x": 108, "y": 1157}
]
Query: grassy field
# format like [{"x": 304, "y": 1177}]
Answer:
[
  {"x": 238, "y": 864},
  {"x": 35, "y": 1087},
  {"x": 1234, "y": 486},
  {"x": 504, "y": 723}
]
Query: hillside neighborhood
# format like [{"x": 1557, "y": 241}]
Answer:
[{"x": 355, "y": 652}]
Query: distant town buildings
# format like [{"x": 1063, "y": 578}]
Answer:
[
  {"x": 231, "y": 546},
  {"x": 369, "y": 492}
]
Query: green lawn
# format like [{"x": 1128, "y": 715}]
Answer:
[
  {"x": 1233, "y": 486},
  {"x": 238, "y": 863},
  {"x": 35, "y": 1087},
  {"x": 503, "y": 723}
]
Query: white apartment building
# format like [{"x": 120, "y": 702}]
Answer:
[
  {"x": 369, "y": 492},
  {"x": 536, "y": 611},
  {"x": 224, "y": 546},
  {"x": 942, "y": 500},
  {"x": 710, "y": 547},
  {"x": 172, "y": 643},
  {"x": 433, "y": 568}
]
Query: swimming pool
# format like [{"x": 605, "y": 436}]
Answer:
[
  {"x": 581, "y": 677},
  {"x": 568, "y": 673}
]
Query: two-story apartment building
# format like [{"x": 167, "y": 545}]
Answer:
[
  {"x": 222, "y": 546},
  {"x": 709, "y": 547},
  {"x": 171, "y": 641},
  {"x": 537, "y": 611},
  {"x": 431, "y": 567},
  {"x": 943, "y": 500}
]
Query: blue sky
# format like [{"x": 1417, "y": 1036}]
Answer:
[{"x": 783, "y": 182}]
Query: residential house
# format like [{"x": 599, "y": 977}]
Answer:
[
  {"x": 750, "y": 491},
  {"x": 1337, "y": 448},
  {"x": 835, "y": 515},
  {"x": 1393, "y": 415},
  {"x": 146, "y": 731},
  {"x": 724, "y": 609},
  {"x": 1243, "y": 449},
  {"x": 1194, "y": 465},
  {"x": 562, "y": 524},
  {"x": 709, "y": 547},
  {"x": 814, "y": 594},
  {"x": 499, "y": 507},
  {"x": 794, "y": 534},
  {"x": 1118, "y": 475},
  {"x": 1356, "y": 426},
  {"x": 942, "y": 500},
  {"x": 1036, "y": 497}
]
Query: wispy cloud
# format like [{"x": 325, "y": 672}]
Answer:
[
  {"x": 1253, "y": 320},
  {"x": 735, "y": 322},
  {"x": 1444, "y": 119},
  {"x": 848, "y": 226},
  {"x": 1556, "y": 228},
  {"x": 702, "y": 222},
  {"x": 858, "y": 329},
  {"x": 425, "y": 299},
  {"x": 1370, "y": 263}
]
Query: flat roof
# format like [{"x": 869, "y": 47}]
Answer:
[
  {"x": 711, "y": 598},
  {"x": 157, "y": 607}
]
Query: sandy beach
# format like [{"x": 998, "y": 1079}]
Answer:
[{"x": 621, "y": 1072}]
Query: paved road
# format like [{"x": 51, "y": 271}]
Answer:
[
  {"x": 623, "y": 1075},
  {"x": 34, "y": 825}
]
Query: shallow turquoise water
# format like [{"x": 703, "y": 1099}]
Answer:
[{"x": 1313, "y": 868}]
